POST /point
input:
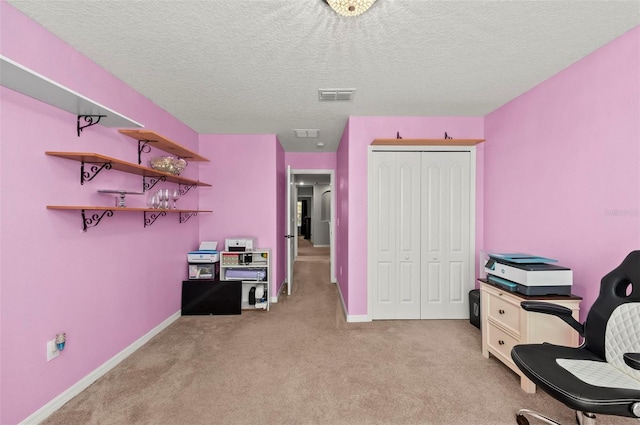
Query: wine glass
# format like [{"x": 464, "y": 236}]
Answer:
[
  {"x": 154, "y": 202},
  {"x": 163, "y": 198},
  {"x": 175, "y": 194}
]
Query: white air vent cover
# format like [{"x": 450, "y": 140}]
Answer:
[
  {"x": 330, "y": 95},
  {"x": 306, "y": 132}
]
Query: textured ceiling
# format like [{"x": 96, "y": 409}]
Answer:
[{"x": 255, "y": 66}]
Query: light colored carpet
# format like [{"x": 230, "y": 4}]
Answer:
[{"x": 301, "y": 363}]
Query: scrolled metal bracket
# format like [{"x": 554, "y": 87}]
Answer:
[
  {"x": 146, "y": 186},
  {"x": 184, "y": 217},
  {"x": 86, "y": 176},
  {"x": 143, "y": 147},
  {"x": 94, "y": 220},
  {"x": 184, "y": 188},
  {"x": 148, "y": 221},
  {"x": 89, "y": 119}
]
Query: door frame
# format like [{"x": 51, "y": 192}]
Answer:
[
  {"x": 472, "y": 208},
  {"x": 332, "y": 224}
]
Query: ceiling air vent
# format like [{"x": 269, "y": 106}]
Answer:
[
  {"x": 303, "y": 133},
  {"x": 332, "y": 95}
]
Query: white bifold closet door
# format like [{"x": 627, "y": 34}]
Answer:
[
  {"x": 445, "y": 247},
  {"x": 419, "y": 212},
  {"x": 395, "y": 201}
]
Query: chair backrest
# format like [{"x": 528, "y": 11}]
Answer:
[{"x": 613, "y": 323}]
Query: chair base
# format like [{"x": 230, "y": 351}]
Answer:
[{"x": 582, "y": 418}]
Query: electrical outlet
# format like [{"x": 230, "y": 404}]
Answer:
[{"x": 52, "y": 350}]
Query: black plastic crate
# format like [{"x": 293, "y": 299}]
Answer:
[{"x": 474, "y": 307}]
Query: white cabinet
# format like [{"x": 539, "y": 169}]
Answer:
[
  {"x": 421, "y": 235},
  {"x": 252, "y": 270},
  {"x": 505, "y": 324}
]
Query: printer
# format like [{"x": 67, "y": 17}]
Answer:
[
  {"x": 239, "y": 244},
  {"x": 528, "y": 274},
  {"x": 206, "y": 253},
  {"x": 203, "y": 263}
]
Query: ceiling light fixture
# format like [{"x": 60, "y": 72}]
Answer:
[{"x": 350, "y": 7}]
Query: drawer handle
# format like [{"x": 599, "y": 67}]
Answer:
[
  {"x": 501, "y": 342},
  {"x": 501, "y": 311}
]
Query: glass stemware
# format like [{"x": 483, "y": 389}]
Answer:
[
  {"x": 154, "y": 202},
  {"x": 163, "y": 198},
  {"x": 175, "y": 195}
]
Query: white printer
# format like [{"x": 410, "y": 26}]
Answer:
[
  {"x": 203, "y": 262},
  {"x": 206, "y": 253},
  {"x": 528, "y": 274},
  {"x": 239, "y": 244}
]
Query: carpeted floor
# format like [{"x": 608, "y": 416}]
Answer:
[{"x": 301, "y": 363}]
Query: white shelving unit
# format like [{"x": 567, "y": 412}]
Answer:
[
  {"x": 252, "y": 269},
  {"x": 30, "y": 83}
]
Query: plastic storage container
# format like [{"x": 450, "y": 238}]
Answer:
[{"x": 474, "y": 307}]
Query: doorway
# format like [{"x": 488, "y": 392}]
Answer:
[{"x": 314, "y": 200}]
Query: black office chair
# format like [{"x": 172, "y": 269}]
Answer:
[{"x": 602, "y": 376}]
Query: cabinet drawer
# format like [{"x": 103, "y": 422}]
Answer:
[
  {"x": 503, "y": 311},
  {"x": 500, "y": 342}
]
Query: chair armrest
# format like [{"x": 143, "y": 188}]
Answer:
[
  {"x": 562, "y": 312},
  {"x": 632, "y": 360}
]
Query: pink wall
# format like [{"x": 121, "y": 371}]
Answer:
[
  {"x": 341, "y": 238},
  {"x": 246, "y": 194},
  {"x": 105, "y": 288},
  {"x": 562, "y": 168},
  {"x": 362, "y": 131},
  {"x": 310, "y": 160}
]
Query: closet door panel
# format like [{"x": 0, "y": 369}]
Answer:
[
  {"x": 382, "y": 237},
  {"x": 434, "y": 274},
  {"x": 395, "y": 246},
  {"x": 408, "y": 234},
  {"x": 386, "y": 214},
  {"x": 457, "y": 282},
  {"x": 458, "y": 238},
  {"x": 445, "y": 201}
]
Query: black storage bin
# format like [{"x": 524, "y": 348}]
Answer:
[{"x": 474, "y": 307}]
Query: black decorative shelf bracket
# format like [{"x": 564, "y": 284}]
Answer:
[
  {"x": 146, "y": 186},
  {"x": 89, "y": 119},
  {"x": 94, "y": 219},
  {"x": 184, "y": 217},
  {"x": 152, "y": 217},
  {"x": 184, "y": 188},
  {"x": 143, "y": 147},
  {"x": 86, "y": 176}
]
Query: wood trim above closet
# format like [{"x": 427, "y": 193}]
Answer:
[{"x": 427, "y": 142}]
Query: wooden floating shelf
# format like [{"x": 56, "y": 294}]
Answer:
[
  {"x": 162, "y": 143},
  {"x": 128, "y": 167},
  {"x": 102, "y": 208},
  {"x": 150, "y": 214},
  {"x": 30, "y": 83},
  {"x": 427, "y": 142}
]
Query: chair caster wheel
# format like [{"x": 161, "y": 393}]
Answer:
[{"x": 521, "y": 420}]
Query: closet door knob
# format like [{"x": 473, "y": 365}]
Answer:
[
  {"x": 501, "y": 311},
  {"x": 501, "y": 342}
]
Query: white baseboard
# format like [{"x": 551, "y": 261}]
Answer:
[
  {"x": 321, "y": 246},
  {"x": 46, "y": 410},
  {"x": 277, "y": 296},
  {"x": 355, "y": 318},
  {"x": 351, "y": 318}
]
